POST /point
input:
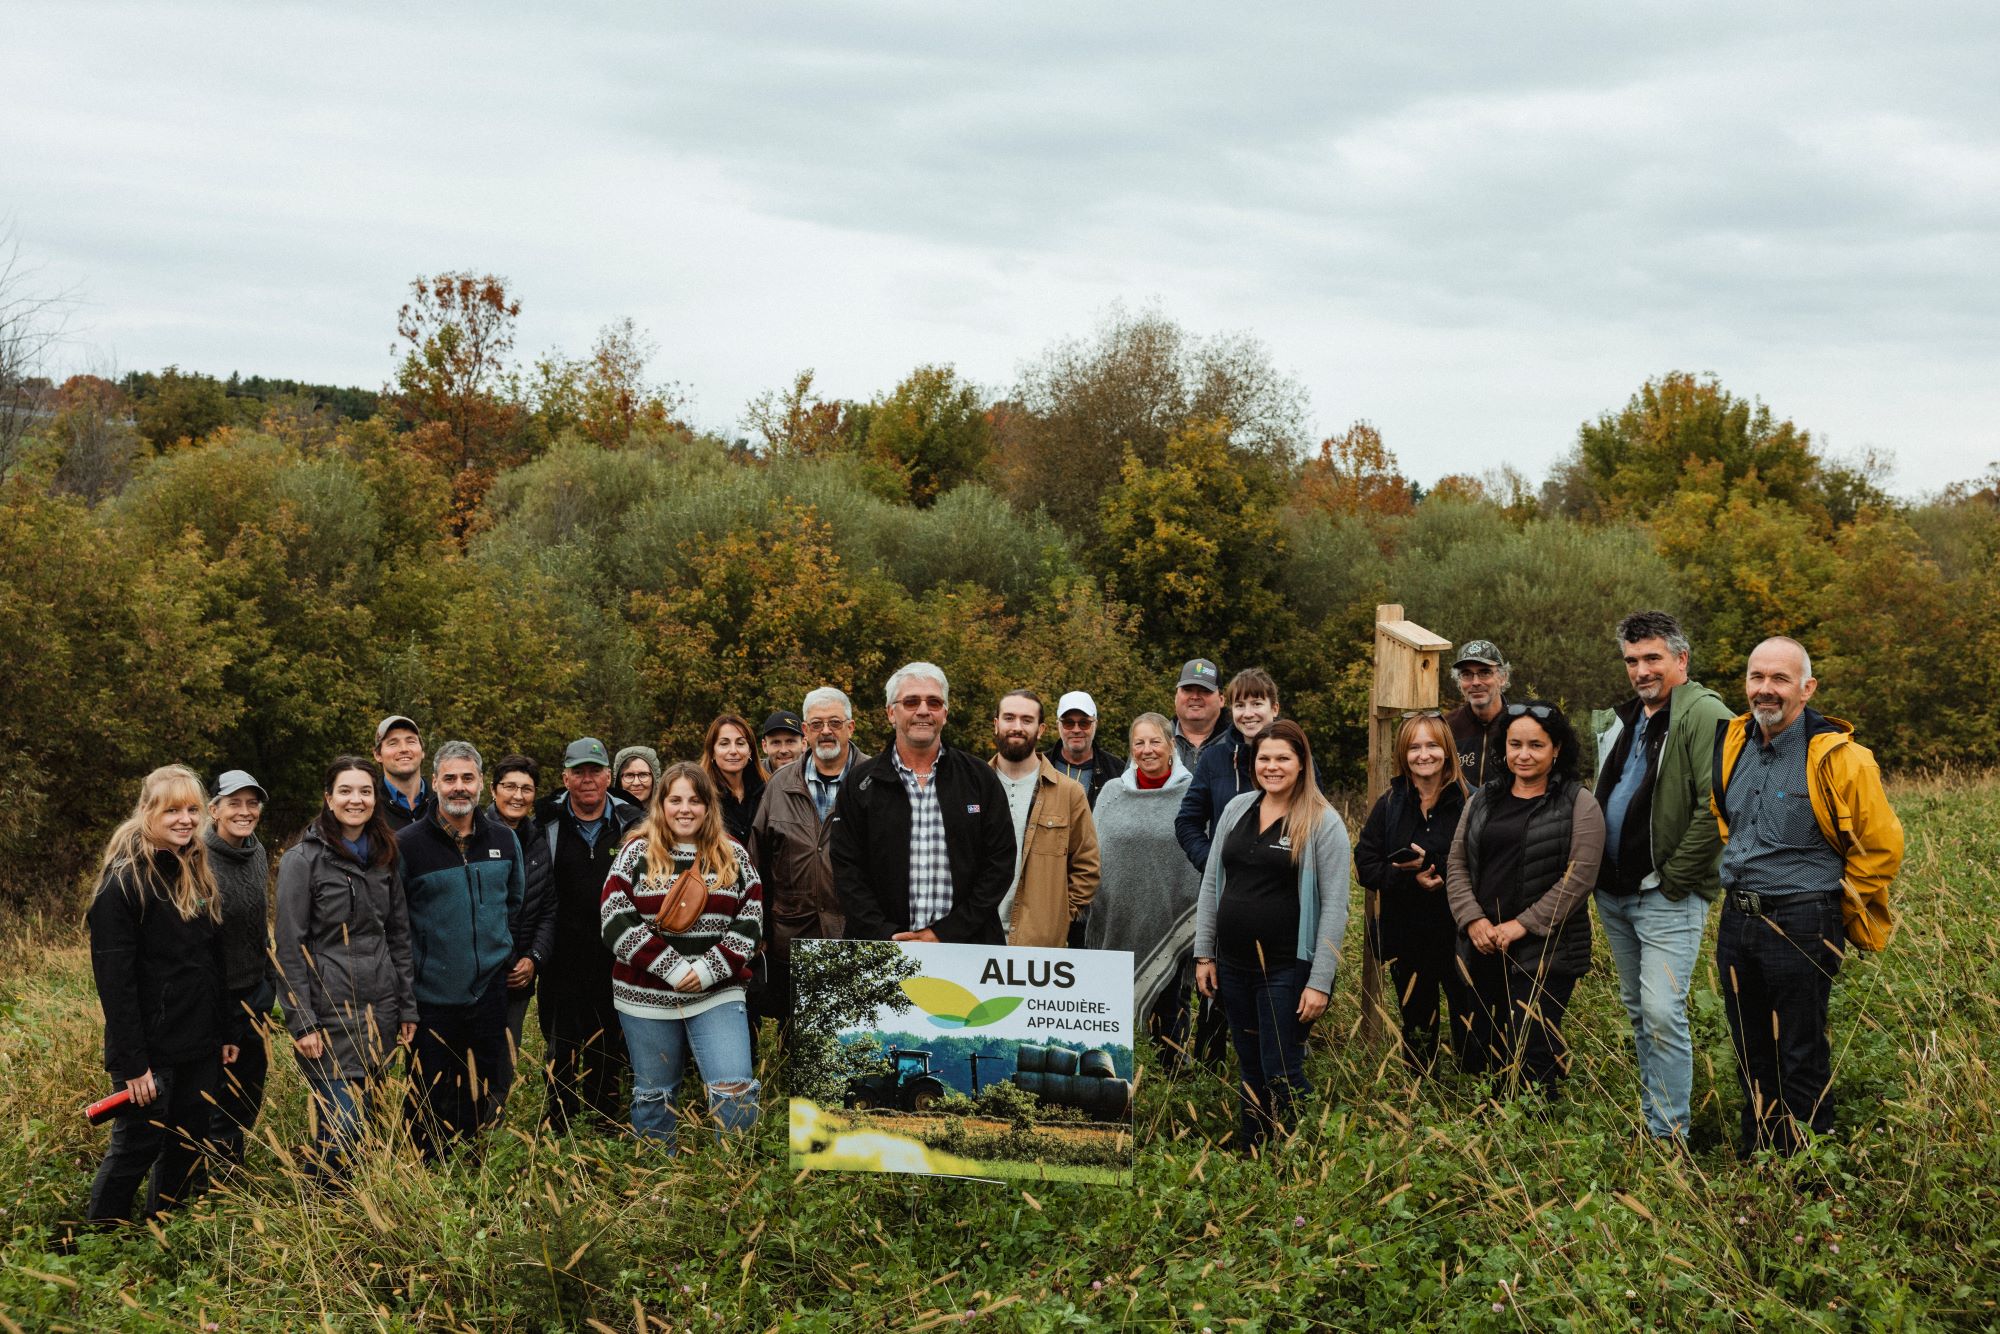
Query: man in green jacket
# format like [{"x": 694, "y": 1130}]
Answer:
[{"x": 1661, "y": 848}]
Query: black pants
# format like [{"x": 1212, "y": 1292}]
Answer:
[
  {"x": 1419, "y": 984},
  {"x": 240, "y": 1095},
  {"x": 1180, "y": 1008},
  {"x": 1514, "y": 1024},
  {"x": 167, "y": 1137},
  {"x": 1777, "y": 974},
  {"x": 586, "y": 1062},
  {"x": 460, "y": 1069}
]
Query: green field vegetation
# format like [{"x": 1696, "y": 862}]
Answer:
[{"x": 1399, "y": 1206}]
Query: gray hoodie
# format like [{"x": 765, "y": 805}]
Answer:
[{"x": 1146, "y": 888}]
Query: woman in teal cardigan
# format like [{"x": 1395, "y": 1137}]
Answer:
[{"x": 1268, "y": 924}]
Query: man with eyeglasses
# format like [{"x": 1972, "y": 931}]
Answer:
[
  {"x": 1479, "y": 725},
  {"x": 791, "y": 839},
  {"x": 515, "y": 779},
  {"x": 1076, "y": 754},
  {"x": 923, "y": 846}
]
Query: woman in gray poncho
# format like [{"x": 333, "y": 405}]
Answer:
[{"x": 1145, "y": 898}]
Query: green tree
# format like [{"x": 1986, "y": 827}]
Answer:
[
  {"x": 178, "y": 406},
  {"x": 111, "y": 672},
  {"x": 840, "y": 985},
  {"x": 932, "y": 430},
  {"x": 1194, "y": 544},
  {"x": 1632, "y": 462},
  {"x": 1086, "y": 404}
]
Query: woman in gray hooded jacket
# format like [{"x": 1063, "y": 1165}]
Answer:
[{"x": 343, "y": 947}]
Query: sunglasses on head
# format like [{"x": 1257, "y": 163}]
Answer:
[{"x": 1530, "y": 710}]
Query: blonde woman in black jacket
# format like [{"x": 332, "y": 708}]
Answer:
[{"x": 156, "y": 953}]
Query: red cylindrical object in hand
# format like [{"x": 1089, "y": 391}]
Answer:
[{"x": 105, "y": 1108}]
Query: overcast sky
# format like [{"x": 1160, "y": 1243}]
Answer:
[{"x": 1475, "y": 226}]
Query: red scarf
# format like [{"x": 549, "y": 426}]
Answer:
[{"x": 1148, "y": 784}]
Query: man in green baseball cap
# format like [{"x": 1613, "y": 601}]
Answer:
[{"x": 583, "y": 825}]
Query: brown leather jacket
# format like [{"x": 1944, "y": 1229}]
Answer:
[
  {"x": 1059, "y": 864},
  {"x": 792, "y": 847}
]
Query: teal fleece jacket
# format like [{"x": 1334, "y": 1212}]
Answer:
[{"x": 461, "y": 898}]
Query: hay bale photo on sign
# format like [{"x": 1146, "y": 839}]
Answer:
[{"x": 962, "y": 1060}]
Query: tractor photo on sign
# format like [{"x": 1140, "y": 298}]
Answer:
[{"x": 962, "y": 1060}]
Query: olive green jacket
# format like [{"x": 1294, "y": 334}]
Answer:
[{"x": 1686, "y": 840}]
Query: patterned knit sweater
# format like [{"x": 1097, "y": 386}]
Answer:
[{"x": 718, "y": 948}]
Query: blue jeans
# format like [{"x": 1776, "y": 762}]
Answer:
[
  {"x": 720, "y": 1039},
  {"x": 1656, "y": 943},
  {"x": 339, "y": 1113},
  {"x": 1263, "y": 1010}
]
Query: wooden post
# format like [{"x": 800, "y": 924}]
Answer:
[{"x": 1407, "y": 662}]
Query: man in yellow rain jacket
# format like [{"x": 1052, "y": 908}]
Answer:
[{"x": 1810, "y": 846}]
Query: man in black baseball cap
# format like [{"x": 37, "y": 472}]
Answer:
[
  {"x": 1479, "y": 725},
  {"x": 783, "y": 737}
]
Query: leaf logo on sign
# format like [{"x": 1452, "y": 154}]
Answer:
[{"x": 950, "y": 1005}]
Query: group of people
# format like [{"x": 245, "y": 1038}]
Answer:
[
  {"x": 650, "y": 909},
  {"x": 1488, "y": 849}
]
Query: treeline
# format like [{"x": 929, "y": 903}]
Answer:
[{"x": 520, "y": 555}]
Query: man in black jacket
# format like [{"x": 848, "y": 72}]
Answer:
[
  {"x": 1076, "y": 754},
  {"x": 1479, "y": 726},
  {"x": 923, "y": 847},
  {"x": 582, "y": 828}
]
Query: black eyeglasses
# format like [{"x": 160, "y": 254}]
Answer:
[{"x": 1530, "y": 710}]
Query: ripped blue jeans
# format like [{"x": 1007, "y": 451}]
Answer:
[{"x": 720, "y": 1039}]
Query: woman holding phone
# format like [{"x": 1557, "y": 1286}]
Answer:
[
  {"x": 343, "y": 946},
  {"x": 1401, "y": 855},
  {"x": 157, "y": 955},
  {"x": 1268, "y": 923}
]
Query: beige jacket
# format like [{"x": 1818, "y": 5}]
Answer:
[{"x": 1058, "y": 864}]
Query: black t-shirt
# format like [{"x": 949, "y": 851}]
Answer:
[
  {"x": 1260, "y": 896},
  {"x": 1500, "y": 844}
]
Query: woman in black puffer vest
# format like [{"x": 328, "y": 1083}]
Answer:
[{"x": 1523, "y": 864}]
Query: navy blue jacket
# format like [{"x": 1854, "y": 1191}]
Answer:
[
  {"x": 462, "y": 901},
  {"x": 1222, "y": 773}
]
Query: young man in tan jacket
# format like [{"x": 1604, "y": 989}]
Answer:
[{"x": 1055, "y": 872}]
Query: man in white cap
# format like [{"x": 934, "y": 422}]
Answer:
[
  {"x": 1076, "y": 754},
  {"x": 1055, "y": 862},
  {"x": 405, "y": 797}
]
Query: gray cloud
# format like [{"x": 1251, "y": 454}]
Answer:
[{"x": 1476, "y": 228}]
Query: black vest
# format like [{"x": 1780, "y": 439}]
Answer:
[{"x": 1544, "y": 858}]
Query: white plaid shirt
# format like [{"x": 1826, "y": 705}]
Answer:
[{"x": 930, "y": 860}]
